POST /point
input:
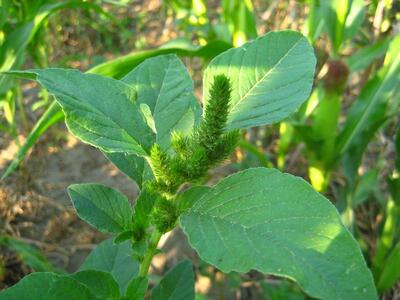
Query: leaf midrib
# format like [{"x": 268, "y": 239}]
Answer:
[
  {"x": 265, "y": 75},
  {"x": 93, "y": 110},
  {"x": 246, "y": 229},
  {"x": 104, "y": 212}
]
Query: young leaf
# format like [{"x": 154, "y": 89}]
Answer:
[
  {"x": 168, "y": 93},
  {"x": 177, "y": 284},
  {"x": 105, "y": 208},
  {"x": 100, "y": 283},
  {"x": 100, "y": 111},
  {"x": 137, "y": 288},
  {"x": 47, "y": 286},
  {"x": 276, "y": 223},
  {"x": 270, "y": 77},
  {"x": 115, "y": 259}
]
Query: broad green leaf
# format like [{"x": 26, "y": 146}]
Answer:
[
  {"x": 177, "y": 284},
  {"x": 101, "y": 284},
  {"x": 100, "y": 111},
  {"x": 276, "y": 223},
  {"x": 28, "y": 254},
  {"x": 116, "y": 68},
  {"x": 135, "y": 167},
  {"x": 115, "y": 259},
  {"x": 47, "y": 286},
  {"x": 137, "y": 288},
  {"x": 103, "y": 207},
  {"x": 370, "y": 111},
  {"x": 271, "y": 77},
  {"x": 168, "y": 93},
  {"x": 188, "y": 198},
  {"x": 169, "y": 96}
]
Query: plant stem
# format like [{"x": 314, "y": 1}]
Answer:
[{"x": 145, "y": 265}]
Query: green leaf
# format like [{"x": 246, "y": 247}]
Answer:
[
  {"x": 397, "y": 146},
  {"x": 105, "y": 208},
  {"x": 354, "y": 19},
  {"x": 137, "y": 288},
  {"x": 168, "y": 93},
  {"x": 121, "y": 66},
  {"x": 143, "y": 207},
  {"x": 12, "y": 51},
  {"x": 47, "y": 286},
  {"x": 334, "y": 14},
  {"x": 123, "y": 236},
  {"x": 370, "y": 111},
  {"x": 367, "y": 185},
  {"x": 240, "y": 18},
  {"x": 276, "y": 223},
  {"x": 314, "y": 22},
  {"x": 101, "y": 284},
  {"x": 365, "y": 56},
  {"x": 188, "y": 198},
  {"x": 116, "y": 68},
  {"x": 177, "y": 284},
  {"x": 51, "y": 116},
  {"x": 28, "y": 254},
  {"x": 281, "y": 290},
  {"x": 135, "y": 167},
  {"x": 100, "y": 111},
  {"x": 390, "y": 274},
  {"x": 271, "y": 77},
  {"x": 115, "y": 259}
]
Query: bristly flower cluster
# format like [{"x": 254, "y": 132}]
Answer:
[{"x": 196, "y": 153}]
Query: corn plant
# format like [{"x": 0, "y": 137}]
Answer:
[
  {"x": 151, "y": 126},
  {"x": 20, "y": 24},
  {"x": 328, "y": 143}
]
